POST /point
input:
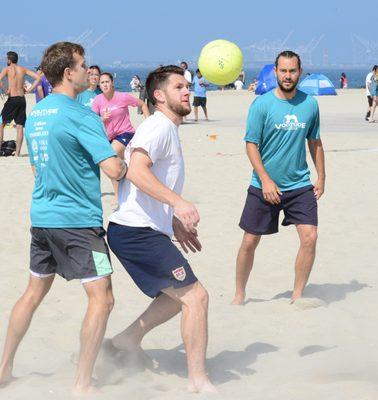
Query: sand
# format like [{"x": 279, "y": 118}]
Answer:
[{"x": 325, "y": 346}]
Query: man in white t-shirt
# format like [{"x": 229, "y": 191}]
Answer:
[
  {"x": 150, "y": 211},
  {"x": 368, "y": 79},
  {"x": 187, "y": 73}
]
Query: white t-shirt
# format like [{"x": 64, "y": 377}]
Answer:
[
  {"x": 369, "y": 77},
  {"x": 158, "y": 136},
  {"x": 188, "y": 76},
  {"x": 238, "y": 85}
]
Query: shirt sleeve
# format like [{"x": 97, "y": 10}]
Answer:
[
  {"x": 93, "y": 138},
  {"x": 314, "y": 130},
  {"x": 255, "y": 123},
  {"x": 130, "y": 100},
  {"x": 96, "y": 105},
  {"x": 154, "y": 140}
]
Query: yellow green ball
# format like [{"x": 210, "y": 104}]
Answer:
[{"x": 220, "y": 62}]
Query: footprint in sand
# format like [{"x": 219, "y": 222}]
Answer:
[{"x": 306, "y": 303}]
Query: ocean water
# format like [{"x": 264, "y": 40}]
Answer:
[{"x": 356, "y": 77}]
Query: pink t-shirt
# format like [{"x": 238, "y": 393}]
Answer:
[{"x": 119, "y": 121}]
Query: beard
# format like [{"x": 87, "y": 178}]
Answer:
[
  {"x": 178, "y": 108},
  {"x": 287, "y": 89}
]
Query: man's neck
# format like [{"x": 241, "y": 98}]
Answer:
[
  {"x": 176, "y": 119},
  {"x": 64, "y": 89},
  {"x": 284, "y": 95}
]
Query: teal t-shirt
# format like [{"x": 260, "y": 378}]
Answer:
[
  {"x": 66, "y": 141},
  {"x": 280, "y": 129},
  {"x": 86, "y": 98}
]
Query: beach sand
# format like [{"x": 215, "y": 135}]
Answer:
[{"x": 325, "y": 346}]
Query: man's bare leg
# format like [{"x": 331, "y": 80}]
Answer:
[
  {"x": 19, "y": 139},
  {"x": 119, "y": 148},
  {"x": 194, "y": 302},
  {"x": 100, "y": 304},
  {"x": 1, "y": 133},
  {"x": 305, "y": 258},
  {"x": 162, "y": 309},
  {"x": 19, "y": 322},
  {"x": 195, "y": 113},
  {"x": 205, "y": 112},
  {"x": 244, "y": 263}
]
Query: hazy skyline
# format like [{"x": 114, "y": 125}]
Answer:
[{"x": 168, "y": 30}]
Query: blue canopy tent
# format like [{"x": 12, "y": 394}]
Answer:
[
  {"x": 317, "y": 85},
  {"x": 266, "y": 80}
]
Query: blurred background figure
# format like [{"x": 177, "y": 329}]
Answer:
[
  {"x": 343, "y": 81},
  {"x": 136, "y": 84}
]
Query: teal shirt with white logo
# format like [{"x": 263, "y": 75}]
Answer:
[
  {"x": 86, "y": 98},
  {"x": 280, "y": 129},
  {"x": 66, "y": 141}
]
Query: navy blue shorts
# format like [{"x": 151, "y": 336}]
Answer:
[
  {"x": 124, "y": 138},
  {"x": 260, "y": 217},
  {"x": 151, "y": 259}
]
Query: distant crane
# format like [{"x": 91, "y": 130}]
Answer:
[
  {"x": 364, "y": 51},
  {"x": 306, "y": 51},
  {"x": 20, "y": 44},
  {"x": 86, "y": 40},
  {"x": 267, "y": 50}
]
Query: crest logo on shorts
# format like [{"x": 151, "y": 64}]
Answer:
[{"x": 179, "y": 273}]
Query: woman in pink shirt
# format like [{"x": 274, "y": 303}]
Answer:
[{"x": 113, "y": 107}]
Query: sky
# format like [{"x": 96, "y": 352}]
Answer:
[{"x": 167, "y": 30}]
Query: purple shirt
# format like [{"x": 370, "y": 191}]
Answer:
[{"x": 46, "y": 88}]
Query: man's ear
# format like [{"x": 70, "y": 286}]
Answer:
[
  {"x": 159, "y": 95},
  {"x": 67, "y": 73}
]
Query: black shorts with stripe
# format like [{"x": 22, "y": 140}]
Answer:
[{"x": 80, "y": 253}]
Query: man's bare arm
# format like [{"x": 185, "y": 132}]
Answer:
[
  {"x": 140, "y": 174},
  {"x": 270, "y": 190},
  {"x": 37, "y": 79},
  {"x": 2, "y": 76},
  {"x": 317, "y": 155},
  {"x": 114, "y": 167}
]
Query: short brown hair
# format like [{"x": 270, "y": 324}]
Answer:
[
  {"x": 288, "y": 54},
  {"x": 158, "y": 78},
  {"x": 57, "y": 58}
]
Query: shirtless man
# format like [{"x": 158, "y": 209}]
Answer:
[{"x": 15, "y": 106}]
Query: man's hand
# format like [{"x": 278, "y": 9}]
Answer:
[
  {"x": 187, "y": 213},
  {"x": 185, "y": 238},
  {"x": 319, "y": 188},
  {"x": 271, "y": 192}
]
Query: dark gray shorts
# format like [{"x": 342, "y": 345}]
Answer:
[
  {"x": 80, "y": 253},
  {"x": 261, "y": 218},
  {"x": 199, "y": 101}
]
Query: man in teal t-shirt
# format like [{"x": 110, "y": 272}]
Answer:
[
  {"x": 278, "y": 125},
  {"x": 86, "y": 98},
  {"x": 67, "y": 147}
]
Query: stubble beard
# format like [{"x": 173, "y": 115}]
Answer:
[
  {"x": 179, "y": 109},
  {"x": 288, "y": 89}
]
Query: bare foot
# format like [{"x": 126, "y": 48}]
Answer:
[
  {"x": 131, "y": 352},
  {"x": 238, "y": 300},
  {"x": 85, "y": 391},
  {"x": 203, "y": 386},
  {"x": 5, "y": 376}
]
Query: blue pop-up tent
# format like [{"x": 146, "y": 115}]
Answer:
[
  {"x": 317, "y": 85},
  {"x": 266, "y": 80}
]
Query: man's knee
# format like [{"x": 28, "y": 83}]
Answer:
[
  {"x": 250, "y": 241},
  {"x": 100, "y": 295},
  {"x": 308, "y": 239},
  {"x": 197, "y": 297}
]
